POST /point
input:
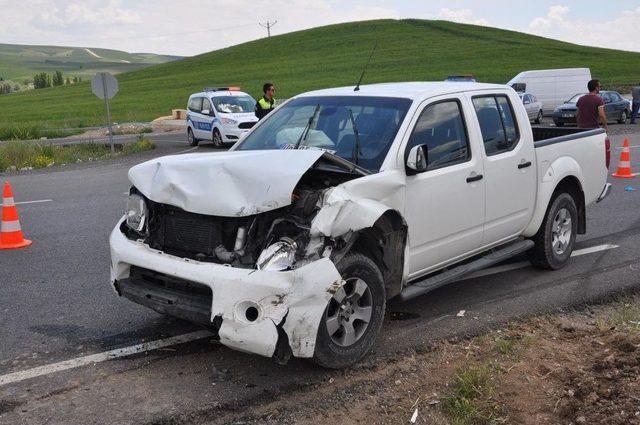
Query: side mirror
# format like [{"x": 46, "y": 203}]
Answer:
[
  {"x": 205, "y": 112},
  {"x": 418, "y": 159}
]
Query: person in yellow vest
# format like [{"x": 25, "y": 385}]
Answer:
[{"x": 266, "y": 102}]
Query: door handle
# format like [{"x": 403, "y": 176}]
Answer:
[
  {"x": 524, "y": 165},
  {"x": 474, "y": 178}
]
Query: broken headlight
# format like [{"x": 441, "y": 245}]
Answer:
[
  {"x": 278, "y": 256},
  {"x": 136, "y": 213}
]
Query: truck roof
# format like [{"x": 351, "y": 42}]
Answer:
[{"x": 412, "y": 90}]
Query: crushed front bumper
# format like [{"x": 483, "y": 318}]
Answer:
[{"x": 253, "y": 308}]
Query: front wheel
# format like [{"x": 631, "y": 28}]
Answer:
[
  {"x": 539, "y": 117},
  {"x": 623, "y": 117},
  {"x": 217, "y": 138},
  {"x": 354, "y": 315},
  {"x": 557, "y": 235},
  {"x": 191, "y": 138}
]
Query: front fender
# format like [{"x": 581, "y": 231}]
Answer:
[{"x": 551, "y": 175}]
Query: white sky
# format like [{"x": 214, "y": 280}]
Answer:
[{"x": 189, "y": 27}]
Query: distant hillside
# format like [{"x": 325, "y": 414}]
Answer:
[
  {"x": 408, "y": 50},
  {"x": 18, "y": 62}
]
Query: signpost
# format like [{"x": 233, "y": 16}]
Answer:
[{"x": 105, "y": 86}]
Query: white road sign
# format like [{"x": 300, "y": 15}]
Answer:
[{"x": 104, "y": 85}]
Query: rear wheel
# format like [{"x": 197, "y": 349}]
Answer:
[
  {"x": 217, "y": 138},
  {"x": 191, "y": 138},
  {"x": 539, "y": 117},
  {"x": 354, "y": 315},
  {"x": 623, "y": 117},
  {"x": 557, "y": 235}
]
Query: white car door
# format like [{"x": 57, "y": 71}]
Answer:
[
  {"x": 207, "y": 116},
  {"x": 444, "y": 204},
  {"x": 509, "y": 167}
]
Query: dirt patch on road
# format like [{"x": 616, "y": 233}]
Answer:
[{"x": 574, "y": 368}]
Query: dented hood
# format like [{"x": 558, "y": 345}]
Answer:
[{"x": 229, "y": 184}]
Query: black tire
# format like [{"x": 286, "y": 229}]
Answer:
[
  {"x": 544, "y": 255},
  {"x": 623, "y": 117},
  {"x": 558, "y": 124},
  {"x": 331, "y": 354},
  {"x": 216, "y": 138},
  {"x": 539, "y": 117},
  {"x": 191, "y": 139}
]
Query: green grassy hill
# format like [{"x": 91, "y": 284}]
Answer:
[
  {"x": 408, "y": 50},
  {"x": 18, "y": 62}
]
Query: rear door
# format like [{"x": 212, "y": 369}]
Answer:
[
  {"x": 207, "y": 116},
  {"x": 509, "y": 167},
  {"x": 445, "y": 204},
  {"x": 195, "y": 116}
]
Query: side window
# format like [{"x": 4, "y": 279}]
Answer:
[
  {"x": 195, "y": 104},
  {"x": 497, "y": 124},
  {"x": 616, "y": 97},
  {"x": 533, "y": 99},
  {"x": 206, "y": 104},
  {"x": 441, "y": 127},
  {"x": 520, "y": 87}
]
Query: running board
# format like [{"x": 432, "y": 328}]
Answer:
[{"x": 452, "y": 275}]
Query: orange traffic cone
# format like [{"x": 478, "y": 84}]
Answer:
[
  {"x": 10, "y": 231},
  {"x": 624, "y": 165}
]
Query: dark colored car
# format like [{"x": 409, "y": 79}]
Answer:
[
  {"x": 470, "y": 78},
  {"x": 616, "y": 108}
]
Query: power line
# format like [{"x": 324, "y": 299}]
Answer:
[{"x": 268, "y": 26}]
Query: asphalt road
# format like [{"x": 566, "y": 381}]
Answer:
[{"x": 56, "y": 304}]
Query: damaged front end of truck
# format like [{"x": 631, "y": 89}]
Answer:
[{"x": 251, "y": 245}]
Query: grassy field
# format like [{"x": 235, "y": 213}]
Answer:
[
  {"x": 18, "y": 155},
  {"x": 318, "y": 58},
  {"x": 18, "y": 62}
]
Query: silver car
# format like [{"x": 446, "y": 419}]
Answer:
[{"x": 533, "y": 107}]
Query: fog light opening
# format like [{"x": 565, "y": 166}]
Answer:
[{"x": 251, "y": 314}]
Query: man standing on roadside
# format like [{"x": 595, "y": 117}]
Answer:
[
  {"x": 635, "y": 105},
  {"x": 266, "y": 102},
  {"x": 591, "y": 108}
]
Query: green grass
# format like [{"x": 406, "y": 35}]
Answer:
[
  {"x": 469, "y": 401},
  {"x": 625, "y": 316},
  {"x": 34, "y": 132},
  {"x": 16, "y": 154},
  {"x": 18, "y": 62},
  {"x": 408, "y": 50}
]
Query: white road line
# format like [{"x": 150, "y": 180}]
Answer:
[
  {"x": 33, "y": 202},
  {"x": 101, "y": 357},
  {"x": 186, "y": 150},
  {"x": 523, "y": 264}
]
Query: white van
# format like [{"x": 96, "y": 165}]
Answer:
[
  {"x": 552, "y": 87},
  {"x": 219, "y": 114}
]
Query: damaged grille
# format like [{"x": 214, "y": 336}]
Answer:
[
  {"x": 186, "y": 230},
  {"x": 187, "y": 234}
]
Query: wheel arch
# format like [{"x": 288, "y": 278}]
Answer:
[
  {"x": 569, "y": 183},
  {"x": 385, "y": 243}
]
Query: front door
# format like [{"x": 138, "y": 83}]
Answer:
[
  {"x": 444, "y": 204},
  {"x": 509, "y": 168}
]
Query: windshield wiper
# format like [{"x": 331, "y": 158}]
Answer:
[
  {"x": 305, "y": 132},
  {"x": 356, "y": 145}
]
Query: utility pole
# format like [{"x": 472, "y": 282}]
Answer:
[{"x": 268, "y": 26}]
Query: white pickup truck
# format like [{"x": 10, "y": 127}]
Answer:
[{"x": 292, "y": 242}]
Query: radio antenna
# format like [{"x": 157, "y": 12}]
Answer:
[{"x": 375, "y": 46}]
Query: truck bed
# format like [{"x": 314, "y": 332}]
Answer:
[{"x": 543, "y": 136}]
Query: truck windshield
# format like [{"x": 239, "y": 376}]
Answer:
[
  {"x": 234, "y": 104},
  {"x": 335, "y": 124}
]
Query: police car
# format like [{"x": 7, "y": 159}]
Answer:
[{"x": 219, "y": 114}]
